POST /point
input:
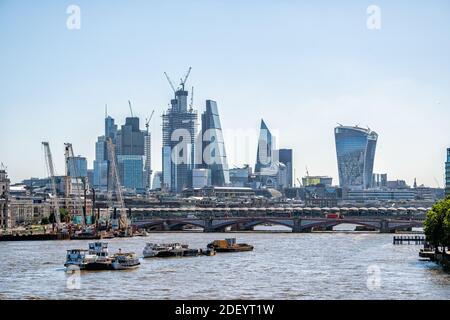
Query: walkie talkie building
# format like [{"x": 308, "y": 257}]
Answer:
[{"x": 355, "y": 149}]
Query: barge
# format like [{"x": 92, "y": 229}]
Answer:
[{"x": 229, "y": 245}]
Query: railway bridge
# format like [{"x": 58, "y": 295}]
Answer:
[{"x": 297, "y": 224}]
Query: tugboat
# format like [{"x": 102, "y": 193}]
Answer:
[
  {"x": 96, "y": 258},
  {"x": 153, "y": 250},
  {"x": 229, "y": 245},
  {"x": 122, "y": 261},
  {"x": 75, "y": 258}
]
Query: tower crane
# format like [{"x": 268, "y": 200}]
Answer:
[
  {"x": 51, "y": 173},
  {"x": 116, "y": 182},
  {"x": 170, "y": 82},
  {"x": 131, "y": 110},
  {"x": 147, "y": 121},
  {"x": 71, "y": 171},
  {"x": 183, "y": 81}
]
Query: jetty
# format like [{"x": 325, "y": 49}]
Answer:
[{"x": 408, "y": 239}]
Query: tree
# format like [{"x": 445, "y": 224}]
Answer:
[
  {"x": 437, "y": 225},
  {"x": 45, "y": 220}
]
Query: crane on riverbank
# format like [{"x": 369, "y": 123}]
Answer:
[{"x": 51, "y": 174}]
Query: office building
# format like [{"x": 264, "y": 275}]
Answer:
[
  {"x": 239, "y": 176},
  {"x": 157, "y": 180},
  {"x": 285, "y": 157},
  {"x": 5, "y": 220},
  {"x": 379, "y": 180},
  {"x": 148, "y": 160},
  {"x": 77, "y": 167},
  {"x": 178, "y": 145},
  {"x": 316, "y": 180},
  {"x": 213, "y": 147},
  {"x": 131, "y": 172},
  {"x": 355, "y": 150},
  {"x": 201, "y": 178},
  {"x": 264, "y": 157},
  {"x": 269, "y": 171}
]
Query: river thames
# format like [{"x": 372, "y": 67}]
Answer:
[{"x": 341, "y": 265}]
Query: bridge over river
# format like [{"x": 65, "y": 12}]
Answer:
[{"x": 297, "y": 224}]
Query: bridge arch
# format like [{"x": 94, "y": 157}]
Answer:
[{"x": 252, "y": 222}]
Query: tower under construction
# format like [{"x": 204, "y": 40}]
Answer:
[{"x": 179, "y": 133}]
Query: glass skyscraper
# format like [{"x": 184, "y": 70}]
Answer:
[
  {"x": 131, "y": 171},
  {"x": 77, "y": 167},
  {"x": 355, "y": 150},
  {"x": 130, "y": 151},
  {"x": 447, "y": 174},
  {"x": 264, "y": 151},
  {"x": 213, "y": 147},
  {"x": 285, "y": 156},
  {"x": 101, "y": 162}
]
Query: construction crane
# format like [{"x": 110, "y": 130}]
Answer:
[
  {"x": 51, "y": 173},
  {"x": 170, "y": 82},
  {"x": 71, "y": 172},
  {"x": 147, "y": 121},
  {"x": 183, "y": 81},
  {"x": 131, "y": 110},
  {"x": 116, "y": 182}
]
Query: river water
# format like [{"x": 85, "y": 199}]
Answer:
[{"x": 282, "y": 266}]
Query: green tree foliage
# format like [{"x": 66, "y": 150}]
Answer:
[
  {"x": 63, "y": 214},
  {"x": 437, "y": 224}
]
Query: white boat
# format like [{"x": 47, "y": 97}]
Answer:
[
  {"x": 154, "y": 250},
  {"x": 75, "y": 258},
  {"x": 98, "y": 257},
  {"x": 122, "y": 261}
]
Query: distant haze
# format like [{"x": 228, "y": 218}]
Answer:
[{"x": 303, "y": 68}]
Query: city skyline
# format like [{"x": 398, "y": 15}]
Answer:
[{"x": 63, "y": 84}]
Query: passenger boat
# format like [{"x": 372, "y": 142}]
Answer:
[
  {"x": 75, "y": 258},
  {"x": 98, "y": 257},
  {"x": 153, "y": 250},
  {"x": 122, "y": 261},
  {"x": 229, "y": 245}
]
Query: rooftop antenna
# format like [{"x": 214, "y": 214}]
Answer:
[
  {"x": 131, "y": 110},
  {"x": 307, "y": 172},
  {"x": 106, "y": 110}
]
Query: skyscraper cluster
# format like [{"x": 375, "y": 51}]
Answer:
[
  {"x": 197, "y": 159},
  {"x": 130, "y": 151}
]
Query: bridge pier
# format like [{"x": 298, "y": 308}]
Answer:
[
  {"x": 297, "y": 228},
  {"x": 384, "y": 226}
]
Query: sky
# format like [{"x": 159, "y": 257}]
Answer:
[{"x": 302, "y": 66}]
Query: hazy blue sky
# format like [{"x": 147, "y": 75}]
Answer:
[{"x": 302, "y": 66}]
